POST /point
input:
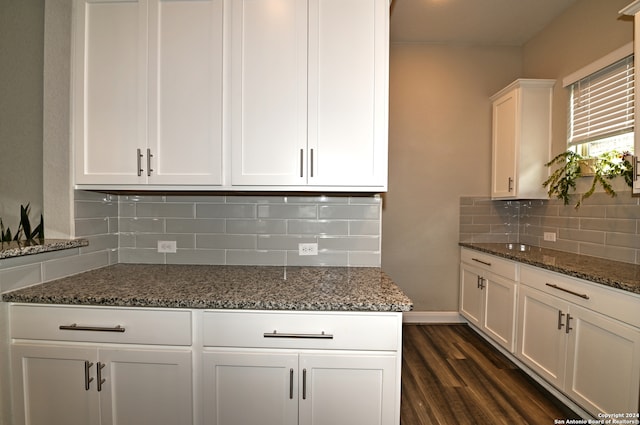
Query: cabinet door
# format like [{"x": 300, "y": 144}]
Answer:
[
  {"x": 542, "y": 334},
  {"x": 603, "y": 363},
  {"x": 348, "y": 72},
  {"x": 109, "y": 90},
  {"x": 505, "y": 134},
  {"x": 499, "y": 310},
  {"x": 49, "y": 385},
  {"x": 185, "y": 92},
  {"x": 344, "y": 389},
  {"x": 145, "y": 387},
  {"x": 636, "y": 60},
  {"x": 243, "y": 388},
  {"x": 269, "y": 92},
  {"x": 471, "y": 296}
]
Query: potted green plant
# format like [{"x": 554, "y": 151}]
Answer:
[{"x": 571, "y": 165}]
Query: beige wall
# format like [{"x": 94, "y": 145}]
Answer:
[
  {"x": 21, "y": 50},
  {"x": 585, "y": 32},
  {"x": 439, "y": 149},
  {"x": 439, "y": 136}
]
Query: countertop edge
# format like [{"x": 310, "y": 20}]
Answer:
[
  {"x": 572, "y": 271},
  {"x": 109, "y": 287},
  {"x": 21, "y": 248}
]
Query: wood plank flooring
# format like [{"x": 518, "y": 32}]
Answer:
[{"x": 450, "y": 375}]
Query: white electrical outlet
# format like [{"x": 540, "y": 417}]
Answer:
[
  {"x": 167, "y": 246},
  {"x": 549, "y": 236},
  {"x": 307, "y": 249}
]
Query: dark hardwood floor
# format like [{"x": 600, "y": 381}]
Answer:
[{"x": 450, "y": 375}]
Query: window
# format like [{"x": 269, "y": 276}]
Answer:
[{"x": 601, "y": 110}]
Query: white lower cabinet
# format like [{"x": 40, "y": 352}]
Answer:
[
  {"x": 580, "y": 337},
  {"x": 347, "y": 389},
  {"x": 250, "y": 388},
  {"x": 592, "y": 357},
  {"x": 78, "y": 365},
  {"x": 289, "y": 388},
  {"x": 61, "y": 385},
  {"x": 80, "y": 370},
  {"x": 145, "y": 387},
  {"x": 487, "y": 299},
  {"x": 49, "y": 385},
  {"x": 311, "y": 378}
]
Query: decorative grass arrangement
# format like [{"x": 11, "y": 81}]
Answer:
[{"x": 24, "y": 231}]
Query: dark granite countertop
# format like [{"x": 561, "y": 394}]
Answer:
[
  {"x": 615, "y": 274},
  {"x": 20, "y": 248},
  {"x": 223, "y": 287}
]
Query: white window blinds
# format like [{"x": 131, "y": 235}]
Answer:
[{"x": 602, "y": 104}]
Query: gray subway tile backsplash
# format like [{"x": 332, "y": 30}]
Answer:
[
  {"x": 209, "y": 229},
  {"x": 251, "y": 229},
  {"x": 603, "y": 227}
]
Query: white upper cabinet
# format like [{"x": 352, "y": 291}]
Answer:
[
  {"x": 634, "y": 10},
  {"x": 147, "y": 92},
  {"x": 309, "y": 93},
  {"x": 521, "y": 139},
  {"x": 269, "y": 92},
  {"x": 231, "y": 94}
]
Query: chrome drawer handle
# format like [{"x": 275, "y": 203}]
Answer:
[
  {"x": 139, "y": 162},
  {"x": 87, "y": 379},
  {"x": 560, "y": 316},
  {"x": 75, "y": 327},
  {"x": 291, "y": 384},
  {"x": 481, "y": 262},
  {"x": 304, "y": 384},
  {"x": 100, "y": 379},
  {"x": 275, "y": 334},
  {"x": 568, "y": 291}
]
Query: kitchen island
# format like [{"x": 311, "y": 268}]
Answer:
[
  {"x": 223, "y": 345},
  {"x": 224, "y": 287}
]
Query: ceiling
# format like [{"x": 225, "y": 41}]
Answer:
[{"x": 472, "y": 22}]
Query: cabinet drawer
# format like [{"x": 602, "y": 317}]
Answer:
[
  {"x": 141, "y": 326},
  {"x": 338, "y": 330},
  {"x": 488, "y": 262},
  {"x": 612, "y": 302}
]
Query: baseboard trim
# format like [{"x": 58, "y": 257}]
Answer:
[{"x": 432, "y": 317}]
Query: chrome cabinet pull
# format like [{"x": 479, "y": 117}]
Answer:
[
  {"x": 304, "y": 384},
  {"x": 101, "y": 380},
  {"x": 75, "y": 327},
  {"x": 568, "y": 328},
  {"x": 481, "y": 262},
  {"x": 139, "y": 162},
  {"x": 149, "y": 169},
  {"x": 311, "y": 163},
  {"x": 560, "y": 316},
  {"x": 510, "y": 184},
  {"x": 276, "y": 334},
  {"x": 87, "y": 379},
  {"x": 291, "y": 383},
  {"x": 478, "y": 285},
  {"x": 635, "y": 160},
  {"x": 301, "y": 163},
  {"x": 554, "y": 286},
  {"x": 482, "y": 283}
]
